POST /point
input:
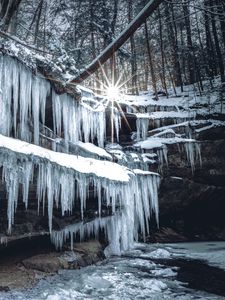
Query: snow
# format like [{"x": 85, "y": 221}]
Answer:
[
  {"x": 104, "y": 169},
  {"x": 127, "y": 277},
  {"x": 150, "y": 144},
  {"x": 166, "y": 114},
  {"x": 146, "y": 100},
  {"x": 97, "y": 282},
  {"x": 92, "y": 149},
  {"x": 160, "y": 253},
  {"x": 211, "y": 252},
  {"x": 57, "y": 177}
]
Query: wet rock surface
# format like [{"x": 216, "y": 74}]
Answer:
[
  {"x": 196, "y": 274},
  {"x": 21, "y": 266},
  {"x": 192, "y": 205}
]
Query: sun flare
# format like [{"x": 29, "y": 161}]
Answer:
[{"x": 112, "y": 92}]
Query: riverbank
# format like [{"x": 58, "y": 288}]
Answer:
[{"x": 29, "y": 262}]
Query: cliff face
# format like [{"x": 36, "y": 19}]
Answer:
[{"x": 192, "y": 205}]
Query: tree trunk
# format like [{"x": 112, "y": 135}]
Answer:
[
  {"x": 209, "y": 44},
  {"x": 163, "y": 77},
  {"x": 217, "y": 45},
  {"x": 133, "y": 52},
  {"x": 191, "y": 57},
  {"x": 38, "y": 21},
  {"x": 152, "y": 70},
  {"x": 173, "y": 43},
  {"x": 8, "y": 8}
]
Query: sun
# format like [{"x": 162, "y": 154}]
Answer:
[{"x": 112, "y": 92}]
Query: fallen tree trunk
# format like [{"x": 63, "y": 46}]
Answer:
[{"x": 119, "y": 41}]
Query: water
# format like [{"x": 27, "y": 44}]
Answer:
[{"x": 140, "y": 274}]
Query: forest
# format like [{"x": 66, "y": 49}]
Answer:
[
  {"x": 180, "y": 43},
  {"x": 112, "y": 149}
]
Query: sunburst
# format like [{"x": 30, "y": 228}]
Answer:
[{"x": 114, "y": 91}]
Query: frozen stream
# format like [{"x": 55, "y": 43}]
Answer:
[{"x": 147, "y": 272}]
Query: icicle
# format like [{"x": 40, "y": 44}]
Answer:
[
  {"x": 40, "y": 91},
  {"x": 23, "y": 98},
  {"x": 6, "y": 95},
  {"x": 25, "y": 102},
  {"x": 140, "y": 200},
  {"x": 193, "y": 153},
  {"x": 142, "y": 125},
  {"x": 78, "y": 120},
  {"x": 4, "y": 240},
  {"x": 162, "y": 156},
  {"x": 130, "y": 192},
  {"x": 117, "y": 123}
]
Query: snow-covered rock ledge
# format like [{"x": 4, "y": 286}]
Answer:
[{"x": 63, "y": 179}]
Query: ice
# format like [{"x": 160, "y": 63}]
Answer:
[
  {"x": 117, "y": 123},
  {"x": 23, "y": 108},
  {"x": 57, "y": 176},
  {"x": 167, "y": 272},
  {"x": 40, "y": 91},
  {"x": 23, "y": 99},
  {"x": 158, "y": 253},
  {"x": 78, "y": 121},
  {"x": 97, "y": 282},
  {"x": 4, "y": 240},
  {"x": 193, "y": 153},
  {"x": 154, "y": 285},
  {"x": 91, "y": 150},
  {"x": 139, "y": 201},
  {"x": 158, "y": 144},
  {"x": 63, "y": 178},
  {"x": 142, "y": 128}
]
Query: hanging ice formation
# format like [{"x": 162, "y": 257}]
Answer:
[
  {"x": 63, "y": 178},
  {"x": 157, "y": 119},
  {"x": 78, "y": 121},
  {"x": 23, "y": 99},
  {"x": 139, "y": 203},
  {"x": 142, "y": 125},
  {"x": 193, "y": 153},
  {"x": 23, "y": 107}
]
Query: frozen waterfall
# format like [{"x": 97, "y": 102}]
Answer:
[{"x": 63, "y": 179}]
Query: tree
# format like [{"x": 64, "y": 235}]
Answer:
[{"x": 8, "y": 9}]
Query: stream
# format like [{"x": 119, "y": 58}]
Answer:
[{"x": 151, "y": 271}]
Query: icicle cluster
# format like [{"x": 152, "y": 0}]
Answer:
[
  {"x": 61, "y": 186},
  {"x": 140, "y": 201},
  {"x": 78, "y": 121},
  {"x": 54, "y": 182},
  {"x": 23, "y": 100}
]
